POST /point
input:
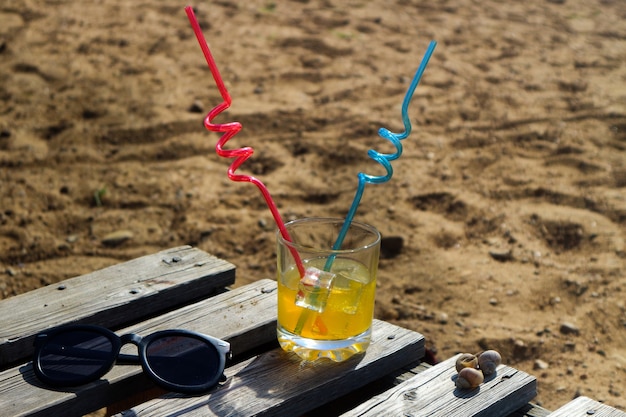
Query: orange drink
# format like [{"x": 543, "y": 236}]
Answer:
[{"x": 327, "y": 311}]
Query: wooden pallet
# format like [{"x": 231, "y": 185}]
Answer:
[{"x": 187, "y": 288}]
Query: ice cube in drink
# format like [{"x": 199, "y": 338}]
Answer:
[{"x": 314, "y": 288}]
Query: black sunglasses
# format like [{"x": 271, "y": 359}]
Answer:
[{"x": 177, "y": 360}]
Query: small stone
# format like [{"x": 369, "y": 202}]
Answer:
[
  {"x": 543, "y": 331},
  {"x": 493, "y": 301},
  {"x": 614, "y": 391},
  {"x": 11, "y": 272},
  {"x": 117, "y": 238},
  {"x": 391, "y": 246},
  {"x": 569, "y": 328},
  {"x": 196, "y": 107},
  {"x": 539, "y": 364},
  {"x": 501, "y": 256},
  {"x": 443, "y": 318}
]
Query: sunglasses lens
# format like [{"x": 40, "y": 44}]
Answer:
[
  {"x": 183, "y": 360},
  {"x": 76, "y": 357}
]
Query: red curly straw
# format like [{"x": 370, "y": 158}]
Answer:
[{"x": 239, "y": 155}]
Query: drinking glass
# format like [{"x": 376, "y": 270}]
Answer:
[{"x": 326, "y": 296}]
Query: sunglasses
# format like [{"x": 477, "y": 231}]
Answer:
[{"x": 177, "y": 360}]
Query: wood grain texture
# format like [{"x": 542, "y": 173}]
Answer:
[
  {"x": 246, "y": 317},
  {"x": 433, "y": 393},
  {"x": 112, "y": 296},
  {"x": 277, "y": 383},
  {"x": 585, "y": 407},
  {"x": 528, "y": 410}
]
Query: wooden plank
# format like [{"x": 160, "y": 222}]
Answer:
[
  {"x": 277, "y": 383},
  {"x": 111, "y": 297},
  {"x": 354, "y": 399},
  {"x": 528, "y": 410},
  {"x": 246, "y": 317},
  {"x": 433, "y": 393},
  {"x": 585, "y": 407}
]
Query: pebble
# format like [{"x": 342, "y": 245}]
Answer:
[
  {"x": 501, "y": 256},
  {"x": 539, "y": 364},
  {"x": 391, "y": 246},
  {"x": 443, "y": 318},
  {"x": 569, "y": 328},
  {"x": 117, "y": 238},
  {"x": 196, "y": 107}
]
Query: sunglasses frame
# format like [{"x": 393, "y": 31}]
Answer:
[{"x": 221, "y": 347}]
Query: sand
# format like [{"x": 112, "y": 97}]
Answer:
[{"x": 504, "y": 223}]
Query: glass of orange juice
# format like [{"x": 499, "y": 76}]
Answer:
[{"x": 326, "y": 296}]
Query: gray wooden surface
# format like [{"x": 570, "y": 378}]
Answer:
[
  {"x": 585, "y": 407},
  {"x": 433, "y": 393},
  {"x": 111, "y": 297},
  {"x": 527, "y": 410},
  {"x": 386, "y": 381},
  {"x": 277, "y": 383},
  {"x": 246, "y": 317}
]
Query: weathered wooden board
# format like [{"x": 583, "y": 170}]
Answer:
[
  {"x": 528, "y": 410},
  {"x": 111, "y": 297},
  {"x": 585, "y": 407},
  {"x": 279, "y": 384},
  {"x": 392, "y": 379},
  {"x": 433, "y": 393},
  {"x": 246, "y": 317}
]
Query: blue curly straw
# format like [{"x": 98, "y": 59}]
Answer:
[{"x": 383, "y": 159}]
